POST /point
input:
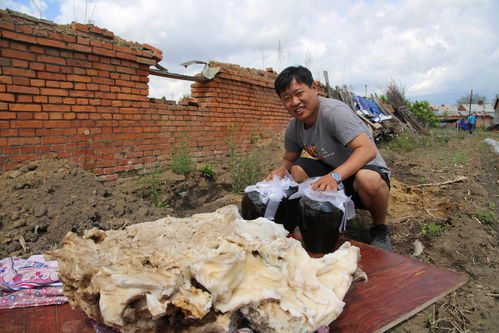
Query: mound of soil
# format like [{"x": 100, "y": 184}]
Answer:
[{"x": 454, "y": 220}]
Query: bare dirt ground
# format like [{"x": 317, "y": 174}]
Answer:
[{"x": 456, "y": 223}]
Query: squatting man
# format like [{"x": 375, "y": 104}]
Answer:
[{"x": 341, "y": 145}]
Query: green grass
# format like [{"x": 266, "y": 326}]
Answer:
[
  {"x": 409, "y": 141},
  {"x": 433, "y": 229},
  {"x": 181, "y": 160},
  {"x": 207, "y": 171},
  {"x": 422, "y": 179},
  {"x": 460, "y": 157},
  {"x": 245, "y": 169},
  {"x": 153, "y": 181},
  {"x": 485, "y": 216}
]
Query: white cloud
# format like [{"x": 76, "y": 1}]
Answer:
[
  {"x": 434, "y": 48},
  {"x": 36, "y": 8}
]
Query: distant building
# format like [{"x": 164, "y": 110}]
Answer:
[
  {"x": 496, "y": 113},
  {"x": 484, "y": 113}
]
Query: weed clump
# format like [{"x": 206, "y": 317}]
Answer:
[
  {"x": 245, "y": 169},
  {"x": 207, "y": 171},
  {"x": 485, "y": 216},
  {"x": 181, "y": 161},
  {"x": 153, "y": 181}
]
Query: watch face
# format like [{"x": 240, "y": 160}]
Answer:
[{"x": 336, "y": 177}]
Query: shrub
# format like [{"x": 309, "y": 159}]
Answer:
[
  {"x": 207, "y": 171},
  {"x": 421, "y": 110},
  {"x": 153, "y": 181},
  {"x": 432, "y": 229},
  {"x": 181, "y": 162},
  {"x": 485, "y": 216},
  {"x": 245, "y": 169}
]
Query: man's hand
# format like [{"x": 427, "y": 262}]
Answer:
[
  {"x": 325, "y": 183},
  {"x": 286, "y": 163},
  {"x": 279, "y": 172}
]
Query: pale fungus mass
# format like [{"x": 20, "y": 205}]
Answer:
[{"x": 207, "y": 273}]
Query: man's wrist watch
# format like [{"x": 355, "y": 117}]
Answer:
[{"x": 336, "y": 176}]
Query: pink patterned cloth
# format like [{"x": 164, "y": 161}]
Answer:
[
  {"x": 32, "y": 297},
  {"x": 29, "y": 282}
]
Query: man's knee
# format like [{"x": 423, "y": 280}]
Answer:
[
  {"x": 369, "y": 182},
  {"x": 299, "y": 175}
]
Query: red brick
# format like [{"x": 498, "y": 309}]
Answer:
[
  {"x": 81, "y": 93},
  {"x": 53, "y": 84},
  {"x": 66, "y": 85},
  {"x": 24, "y": 115},
  {"x": 25, "y": 107},
  {"x": 55, "y": 35},
  {"x": 36, "y": 49},
  {"x": 77, "y": 70},
  {"x": 21, "y": 81},
  {"x": 6, "y": 25},
  {"x": 23, "y": 90},
  {"x": 80, "y": 48},
  {"x": 18, "y": 72},
  {"x": 8, "y": 115},
  {"x": 69, "y": 100},
  {"x": 41, "y": 116},
  {"x": 126, "y": 56},
  {"x": 11, "y": 150},
  {"x": 20, "y": 63},
  {"x": 95, "y": 42},
  {"x": 53, "y": 68},
  {"x": 27, "y": 149},
  {"x": 57, "y": 147},
  {"x": 24, "y": 99},
  {"x": 5, "y": 79},
  {"x": 70, "y": 115},
  {"x": 82, "y": 108},
  {"x": 69, "y": 38},
  {"x": 80, "y": 86},
  {"x": 51, "y": 60},
  {"x": 19, "y": 46},
  {"x": 27, "y": 124},
  {"x": 9, "y": 132},
  {"x": 40, "y": 99},
  {"x": 7, "y": 97},
  {"x": 50, "y": 42},
  {"x": 78, "y": 78},
  {"x": 54, "y": 92},
  {"x": 104, "y": 67},
  {"x": 82, "y": 101},
  {"x": 18, "y": 36},
  {"x": 56, "y": 108},
  {"x": 37, "y": 83},
  {"x": 103, "y": 80},
  {"x": 37, "y": 66},
  {"x": 19, "y": 141},
  {"x": 55, "y": 100},
  {"x": 58, "y": 124},
  {"x": 51, "y": 76}
]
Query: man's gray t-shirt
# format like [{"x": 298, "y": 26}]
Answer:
[{"x": 326, "y": 140}]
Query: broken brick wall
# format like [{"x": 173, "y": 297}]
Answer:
[{"x": 81, "y": 93}]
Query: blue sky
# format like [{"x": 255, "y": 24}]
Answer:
[{"x": 437, "y": 50}]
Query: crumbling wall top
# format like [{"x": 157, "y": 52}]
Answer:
[{"x": 85, "y": 38}]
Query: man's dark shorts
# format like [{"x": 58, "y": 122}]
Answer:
[{"x": 315, "y": 168}]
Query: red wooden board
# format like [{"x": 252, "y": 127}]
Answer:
[{"x": 398, "y": 288}]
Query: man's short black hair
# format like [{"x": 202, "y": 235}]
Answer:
[{"x": 299, "y": 73}]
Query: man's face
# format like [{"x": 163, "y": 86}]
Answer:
[{"x": 301, "y": 102}]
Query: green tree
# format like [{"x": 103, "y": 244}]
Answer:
[
  {"x": 474, "y": 99},
  {"x": 421, "y": 110}
]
